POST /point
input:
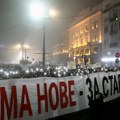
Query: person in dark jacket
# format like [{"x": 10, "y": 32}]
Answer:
[{"x": 96, "y": 107}]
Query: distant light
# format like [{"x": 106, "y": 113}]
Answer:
[
  {"x": 26, "y": 46},
  {"x": 100, "y": 41},
  {"x": 55, "y": 73},
  {"x": 52, "y": 13},
  {"x": 77, "y": 74},
  {"x": 48, "y": 68},
  {"x": 45, "y": 73},
  {"x": 31, "y": 70},
  {"x": 7, "y": 74},
  {"x": 27, "y": 71},
  {"x": 108, "y": 53},
  {"x": 64, "y": 73},
  {"x": 106, "y": 66},
  {"x": 74, "y": 57},
  {"x": 41, "y": 70},
  {"x": 102, "y": 69},
  {"x": 116, "y": 18},
  {"x": 108, "y": 59},
  {"x": 16, "y": 72},
  {"x": 81, "y": 76},
  {"x": 82, "y": 71},
  {"x": 37, "y": 69},
  {"x": 71, "y": 74},
  {"x": 18, "y": 46},
  {"x": 1, "y": 70},
  {"x": 59, "y": 75}
]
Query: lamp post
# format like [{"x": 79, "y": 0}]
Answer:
[
  {"x": 25, "y": 47},
  {"x": 38, "y": 11},
  {"x": 43, "y": 54}
]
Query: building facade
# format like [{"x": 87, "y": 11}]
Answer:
[
  {"x": 111, "y": 28},
  {"x": 95, "y": 33},
  {"x": 85, "y": 37}
]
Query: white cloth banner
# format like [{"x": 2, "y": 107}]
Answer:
[{"x": 44, "y": 98}]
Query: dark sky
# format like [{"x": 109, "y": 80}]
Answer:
[{"x": 16, "y": 26}]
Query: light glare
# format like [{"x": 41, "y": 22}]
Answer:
[
  {"x": 52, "y": 13},
  {"x": 37, "y": 10},
  {"x": 108, "y": 59}
]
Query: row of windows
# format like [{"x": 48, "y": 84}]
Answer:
[
  {"x": 86, "y": 51},
  {"x": 85, "y": 41},
  {"x": 95, "y": 25},
  {"x": 95, "y": 38},
  {"x": 85, "y": 29}
]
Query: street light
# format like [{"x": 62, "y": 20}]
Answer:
[
  {"x": 19, "y": 46},
  {"x": 52, "y": 13},
  {"x": 38, "y": 11},
  {"x": 23, "y": 47}
]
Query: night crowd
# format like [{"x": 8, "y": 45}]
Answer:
[{"x": 11, "y": 71}]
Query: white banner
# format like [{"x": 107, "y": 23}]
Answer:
[{"x": 43, "y": 98}]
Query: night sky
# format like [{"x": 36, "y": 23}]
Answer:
[{"x": 16, "y": 26}]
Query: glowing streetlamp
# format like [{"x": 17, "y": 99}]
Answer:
[
  {"x": 38, "y": 11},
  {"x": 23, "y": 47}
]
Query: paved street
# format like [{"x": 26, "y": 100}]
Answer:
[{"x": 110, "y": 112}]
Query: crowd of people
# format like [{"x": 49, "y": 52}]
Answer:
[{"x": 11, "y": 71}]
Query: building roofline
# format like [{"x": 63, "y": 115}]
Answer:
[
  {"x": 84, "y": 19},
  {"x": 111, "y": 7}
]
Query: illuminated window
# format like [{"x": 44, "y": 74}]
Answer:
[
  {"x": 95, "y": 38},
  {"x": 77, "y": 36},
  {"x": 92, "y": 27},
  {"x": 72, "y": 53},
  {"x": 77, "y": 43},
  {"x": 95, "y": 50},
  {"x": 81, "y": 35},
  {"x": 88, "y": 60},
  {"x": 86, "y": 28},
  {"x": 95, "y": 25},
  {"x": 77, "y": 52},
  {"x": 87, "y": 51},
  {"x": 81, "y": 30},
  {"x": 81, "y": 41},
  {"x": 80, "y": 60},
  {"x": 86, "y": 39},
  {"x": 81, "y": 52}
]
